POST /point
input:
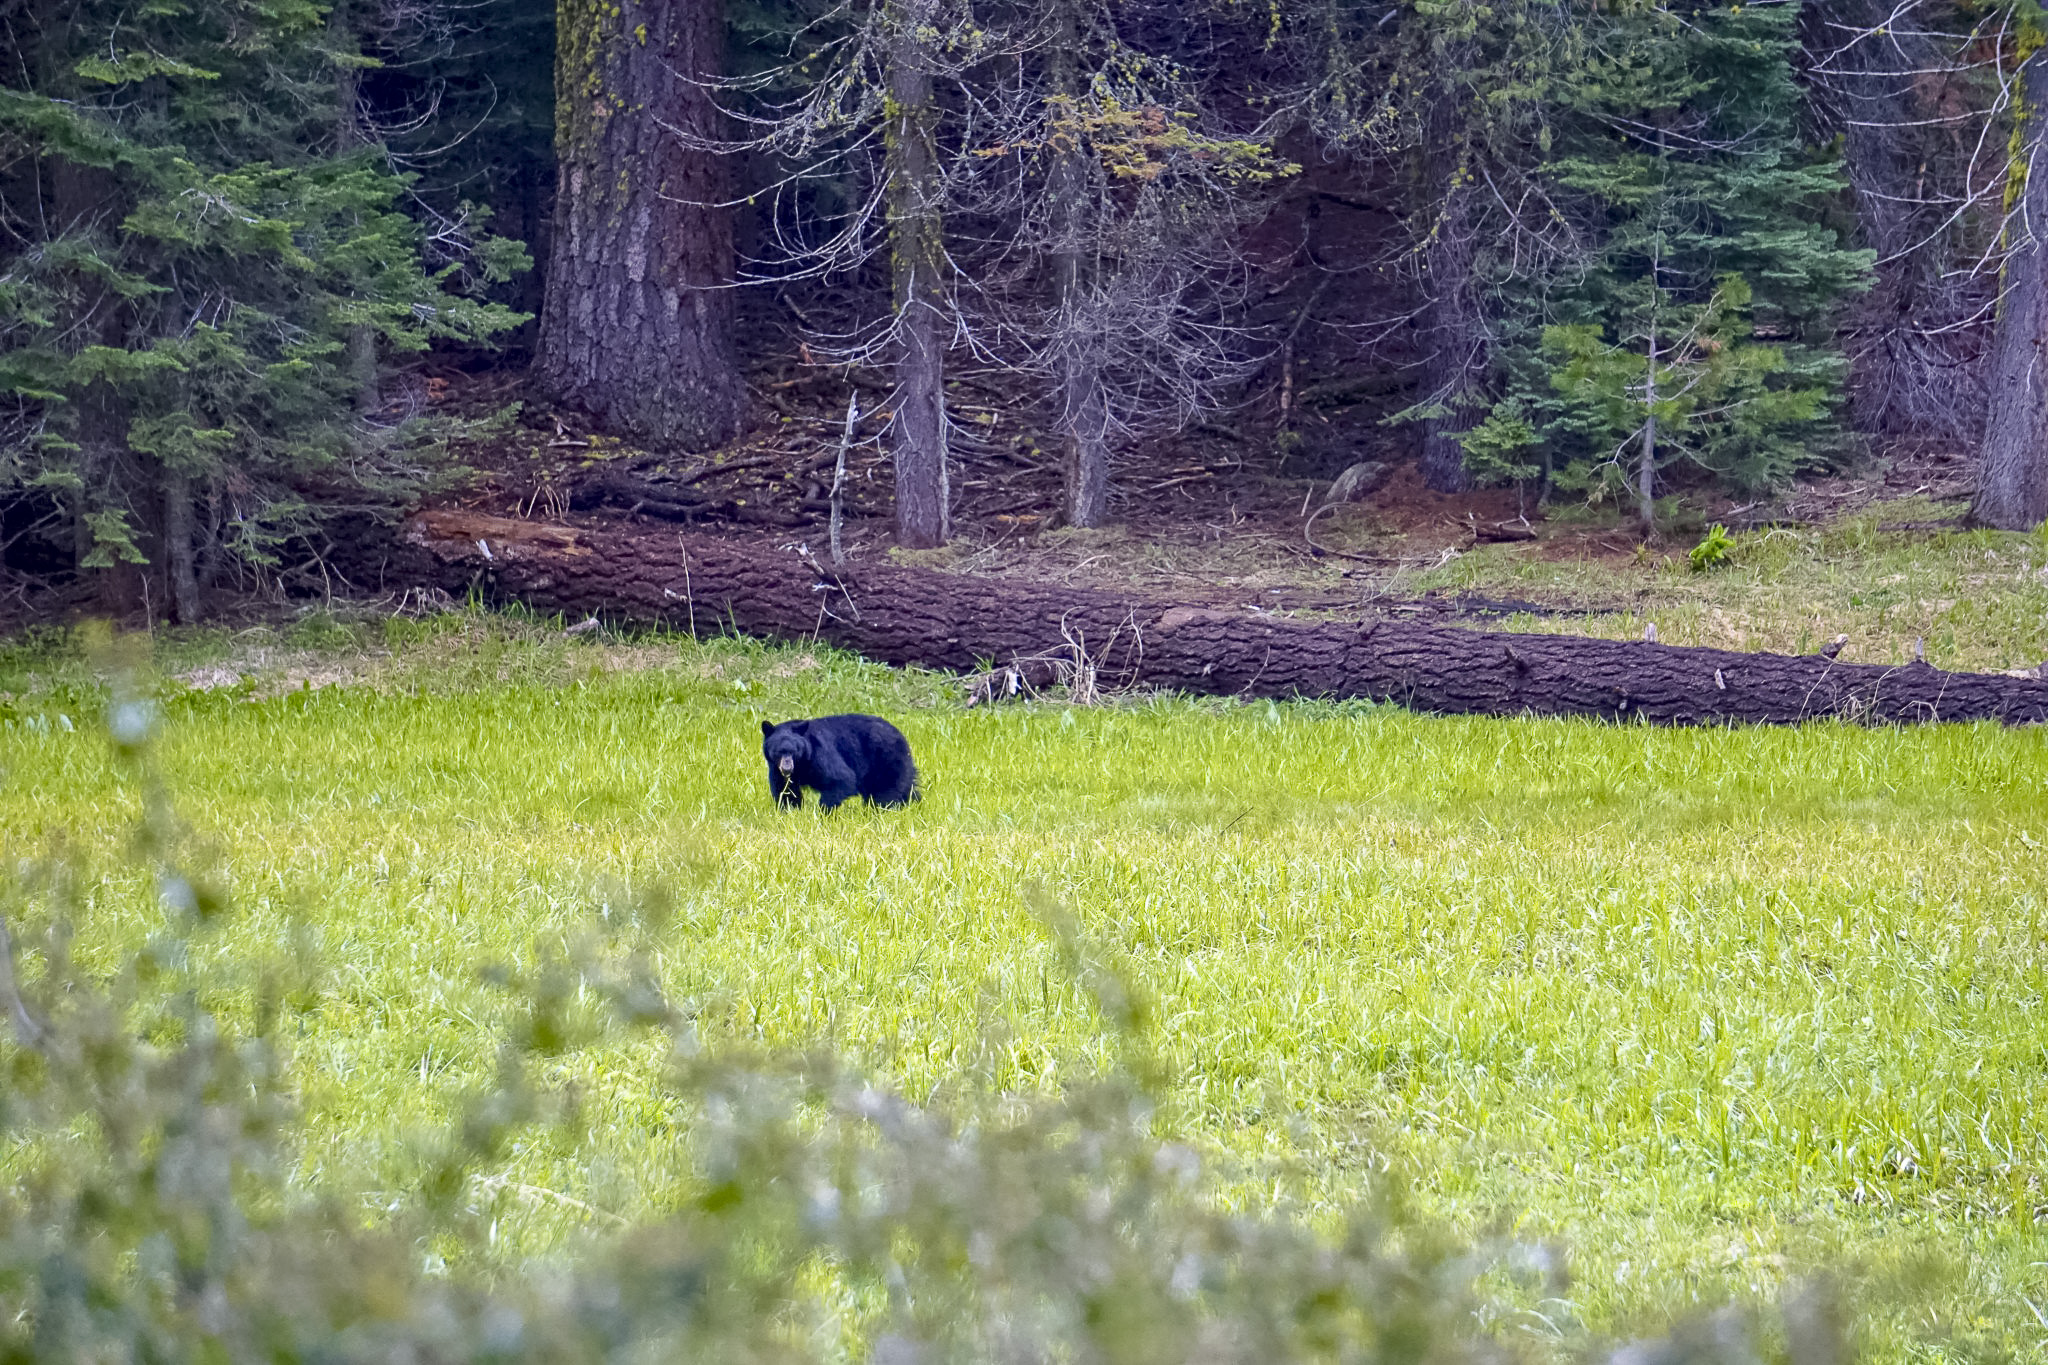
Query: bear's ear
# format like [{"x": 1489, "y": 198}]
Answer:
[{"x": 767, "y": 728}]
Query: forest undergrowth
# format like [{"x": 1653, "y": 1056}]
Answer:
[{"x": 1697, "y": 1011}]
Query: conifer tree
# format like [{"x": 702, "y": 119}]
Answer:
[
  {"x": 1699, "y": 324},
  {"x": 1452, "y": 102},
  {"x": 1113, "y": 275},
  {"x": 188, "y": 253},
  {"x": 1913, "y": 93},
  {"x": 864, "y": 124}
]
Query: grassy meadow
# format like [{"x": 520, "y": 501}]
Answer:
[
  {"x": 1706, "y": 1008},
  {"x": 1975, "y": 600}
]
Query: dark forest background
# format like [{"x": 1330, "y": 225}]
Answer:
[{"x": 1604, "y": 251}]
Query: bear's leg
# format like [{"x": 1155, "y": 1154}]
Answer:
[
  {"x": 831, "y": 798},
  {"x": 891, "y": 777},
  {"x": 899, "y": 789},
  {"x": 834, "y": 778}
]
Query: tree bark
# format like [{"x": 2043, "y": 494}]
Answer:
[
  {"x": 1087, "y": 454},
  {"x": 1084, "y": 409},
  {"x": 180, "y": 566},
  {"x": 2012, "y": 486},
  {"x": 917, "y": 255},
  {"x": 637, "y": 324},
  {"x": 954, "y": 621},
  {"x": 1646, "y": 466},
  {"x": 1912, "y": 349},
  {"x": 349, "y": 133}
]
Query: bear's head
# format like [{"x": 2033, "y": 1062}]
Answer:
[{"x": 786, "y": 745}]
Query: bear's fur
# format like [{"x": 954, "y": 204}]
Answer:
[{"x": 838, "y": 757}]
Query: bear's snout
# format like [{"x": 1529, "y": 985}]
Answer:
[{"x": 786, "y": 763}]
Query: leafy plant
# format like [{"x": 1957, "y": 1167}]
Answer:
[
  {"x": 1693, "y": 320},
  {"x": 1713, "y": 551}
]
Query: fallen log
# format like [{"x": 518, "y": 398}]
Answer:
[
  {"x": 674, "y": 501},
  {"x": 903, "y": 615}
]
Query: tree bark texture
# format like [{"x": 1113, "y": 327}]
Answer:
[
  {"x": 2012, "y": 483},
  {"x": 914, "y": 616},
  {"x": 637, "y": 328},
  {"x": 1646, "y": 465},
  {"x": 1913, "y": 351},
  {"x": 180, "y": 563},
  {"x": 1084, "y": 409},
  {"x": 917, "y": 256},
  {"x": 1087, "y": 454}
]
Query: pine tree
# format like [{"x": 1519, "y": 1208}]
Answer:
[
  {"x": 863, "y": 124},
  {"x": 1114, "y": 277},
  {"x": 1700, "y": 324},
  {"x": 1451, "y": 103},
  {"x": 462, "y": 95},
  {"x": 190, "y": 249}
]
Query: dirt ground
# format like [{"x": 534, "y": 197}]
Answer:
[
  {"x": 1205, "y": 514},
  {"x": 1215, "y": 516}
]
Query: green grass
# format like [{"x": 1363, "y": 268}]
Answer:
[
  {"x": 1710, "y": 1006},
  {"x": 1978, "y": 600}
]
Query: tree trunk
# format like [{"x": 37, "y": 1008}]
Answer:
[
  {"x": 212, "y": 554},
  {"x": 1084, "y": 410},
  {"x": 535, "y": 227},
  {"x": 362, "y": 369},
  {"x": 1456, "y": 331},
  {"x": 637, "y": 326},
  {"x": 180, "y": 567},
  {"x": 81, "y": 195},
  {"x": 2012, "y": 484},
  {"x": 1086, "y": 462},
  {"x": 917, "y": 256},
  {"x": 956, "y": 621},
  {"x": 1455, "y": 345},
  {"x": 1646, "y": 467},
  {"x": 1912, "y": 348},
  {"x": 1646, "y": 476},
  {"x": 349, "y": 133}
]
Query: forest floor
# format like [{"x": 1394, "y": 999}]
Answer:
[{"x": 1877, "y": 554}]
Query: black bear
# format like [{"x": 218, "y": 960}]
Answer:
[{"x": 839, "y": 757}]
